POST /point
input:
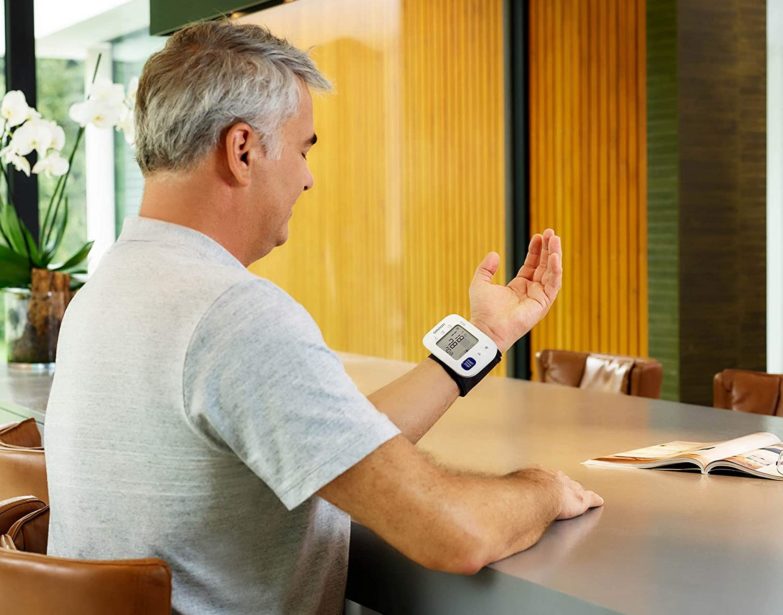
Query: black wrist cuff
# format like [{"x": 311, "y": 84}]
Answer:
[{"x": 466, "y": 384}]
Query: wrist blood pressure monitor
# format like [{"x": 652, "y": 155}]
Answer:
[{"x": 463, "y": 350}]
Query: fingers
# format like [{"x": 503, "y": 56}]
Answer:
[
  {"x": 576, "y": 500},
  {"x": 487, "y": 269},
  {"x": 539, "y": 252},
  {"x": 543, "y": 262},
  {"x": 552, "y": 279},
  {"x": 593, "y": 499},
  {"x": 533, "y": 257}
]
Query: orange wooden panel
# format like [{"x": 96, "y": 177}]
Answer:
[
  {"x": 588, "y": 168},
  {"x": 409, "y": 168}
]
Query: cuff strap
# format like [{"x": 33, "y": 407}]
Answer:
[{"x": 466, "y": 384}]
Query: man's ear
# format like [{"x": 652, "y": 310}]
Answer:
[{"x": 240, "y": 141}]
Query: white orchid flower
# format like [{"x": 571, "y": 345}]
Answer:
[
  {"x": 52, "y": 165},
  {"x": 6, "y": 154},
  {"x": 35, "y": 134},
  {"x": 58, "y": 136},
  {"x": 106, "y": 92},
  {"x": 9, "y": 156},
  {"x": 127, "y": 125},
  {"x": 14, "y": 108},
  {"x": 80, "y": 112},
  {"x": 96, "y": 112},
  {"x": 130, "y": 97}
]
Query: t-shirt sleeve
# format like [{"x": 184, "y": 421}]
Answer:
[{"x": 259, "y": 379}]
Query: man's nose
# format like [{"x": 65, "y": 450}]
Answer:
[{"x": 309, "y": 181}]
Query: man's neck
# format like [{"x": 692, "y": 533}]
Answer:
[{"x": 196, "y": 204}]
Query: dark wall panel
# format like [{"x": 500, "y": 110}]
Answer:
[
  {"x": 706, "y": 120},
  {"x": 663, "y": 192},
  {"x": 722, "y": 93}
]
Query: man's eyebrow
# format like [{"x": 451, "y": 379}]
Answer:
[{"x": 312, "y": 140}]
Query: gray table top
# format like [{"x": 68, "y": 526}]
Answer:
[
  {"x": 24, "y": 392},
  {"x": 665, "y": 542}
]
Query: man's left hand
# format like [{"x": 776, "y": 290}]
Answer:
[{"x": 506, "y": 313}]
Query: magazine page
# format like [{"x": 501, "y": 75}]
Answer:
[
  {"x": 737, "y": 446},
  {"x": 761, "y": 462},
  {"x": 656, "y": 455},
  {"x": 680, "y": 451}
]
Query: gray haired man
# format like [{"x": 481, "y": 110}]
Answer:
[{"x": 196, "y": 413}]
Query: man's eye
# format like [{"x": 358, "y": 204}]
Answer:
[{"x": 304, "y": 155}]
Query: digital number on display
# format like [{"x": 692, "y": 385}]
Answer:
[{"x": 457, "y": 342}]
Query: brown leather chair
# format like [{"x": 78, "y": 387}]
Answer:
[
  {"x": 748, "y": 391},
  {"x": 22, "y": 472},
  {"x": 13, "y": 509},
  {"x": 36, "y": 584},
  {"x": 616, "y": 373},
  {"x": 25, "y": 433},
  {"x": 31, "y": 532}
]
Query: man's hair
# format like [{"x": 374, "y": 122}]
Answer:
[{"x": 209, "y": 76}]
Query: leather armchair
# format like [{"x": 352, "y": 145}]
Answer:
[
  {"x": 36, "y": 584},
  {"x": 29, "y": 533},
  {"x": 25, "y": 433},
  {"x": 629, "y": 375},
  {"x": 13, "y": 509},
  {"x": 22, "y": 472},
  {"x": 748, "y": 391}
]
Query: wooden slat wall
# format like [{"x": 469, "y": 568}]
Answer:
[
  {"x": 409, "y": 167},
  {"x": 588, "y": 168},
  {"x": 453, "y": 153}
]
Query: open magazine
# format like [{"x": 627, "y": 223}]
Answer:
[{"x": 755, "y": 454}]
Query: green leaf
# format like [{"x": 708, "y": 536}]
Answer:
[
  {"x": 11, "y": 228},
  {"x": 14, "y": 268},
  {"x": 50, "y": 207},
  {"x": 54, "y": 244},
  {"x": 35, "y": 251},
  {"x": 72, "y": 264}
]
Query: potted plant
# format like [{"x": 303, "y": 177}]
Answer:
[{"x": 37, "y": 287}]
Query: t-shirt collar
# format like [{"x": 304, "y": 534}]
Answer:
[{"x": 137, "y": 228}]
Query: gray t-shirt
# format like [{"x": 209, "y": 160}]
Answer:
[{"x": 195, "y": 411}]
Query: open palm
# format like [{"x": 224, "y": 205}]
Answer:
[{"x": 508, "y": 312}]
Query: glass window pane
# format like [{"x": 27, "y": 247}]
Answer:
[
  {"x": 60, "y": 84},
  {"x": 129, "y": 53}
]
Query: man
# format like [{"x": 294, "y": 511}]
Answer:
[{"x": 196, "y": 413}]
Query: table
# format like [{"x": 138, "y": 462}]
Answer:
[
  {"x": 23, "y": 393},
  {"x": 665, "y": 542}
]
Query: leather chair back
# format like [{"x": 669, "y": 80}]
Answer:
[
  {"x": 25, "y": 434},
  {"x": 31, "y": 532},
  {"x": 748, "y": 391},
  {"x": 22, "y": 472},
  {"x": 13, "y": 509},
  {"x": 36, "y": 584},
  {"x": 630, "y": 375}
]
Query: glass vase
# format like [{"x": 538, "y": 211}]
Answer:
[{"x": 32, "y": 324}]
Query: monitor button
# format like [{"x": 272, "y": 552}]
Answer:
[{"x": 468, "y": 363}]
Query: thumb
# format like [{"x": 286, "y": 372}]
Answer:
[{"x": 487, "y": 269}]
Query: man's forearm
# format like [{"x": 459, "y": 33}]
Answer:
[
  {"x": 472, "y": 520},
  {"x": 416, "y": 400},
  {"x": 528, "y": 504},
  {"x": 443, "y": 519}
]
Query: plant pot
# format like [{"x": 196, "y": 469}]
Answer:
[{"x": 32, "y": 324}]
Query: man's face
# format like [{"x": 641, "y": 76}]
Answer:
[{"x": 277, "y": 184}]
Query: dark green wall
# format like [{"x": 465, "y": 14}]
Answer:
[
  {"x": 662, "y": 196},
  {"x": 707, "y": 190},
  {"x": 169, "y": 15}
]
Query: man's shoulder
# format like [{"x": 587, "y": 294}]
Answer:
[{"x": 254, "y": 299}]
